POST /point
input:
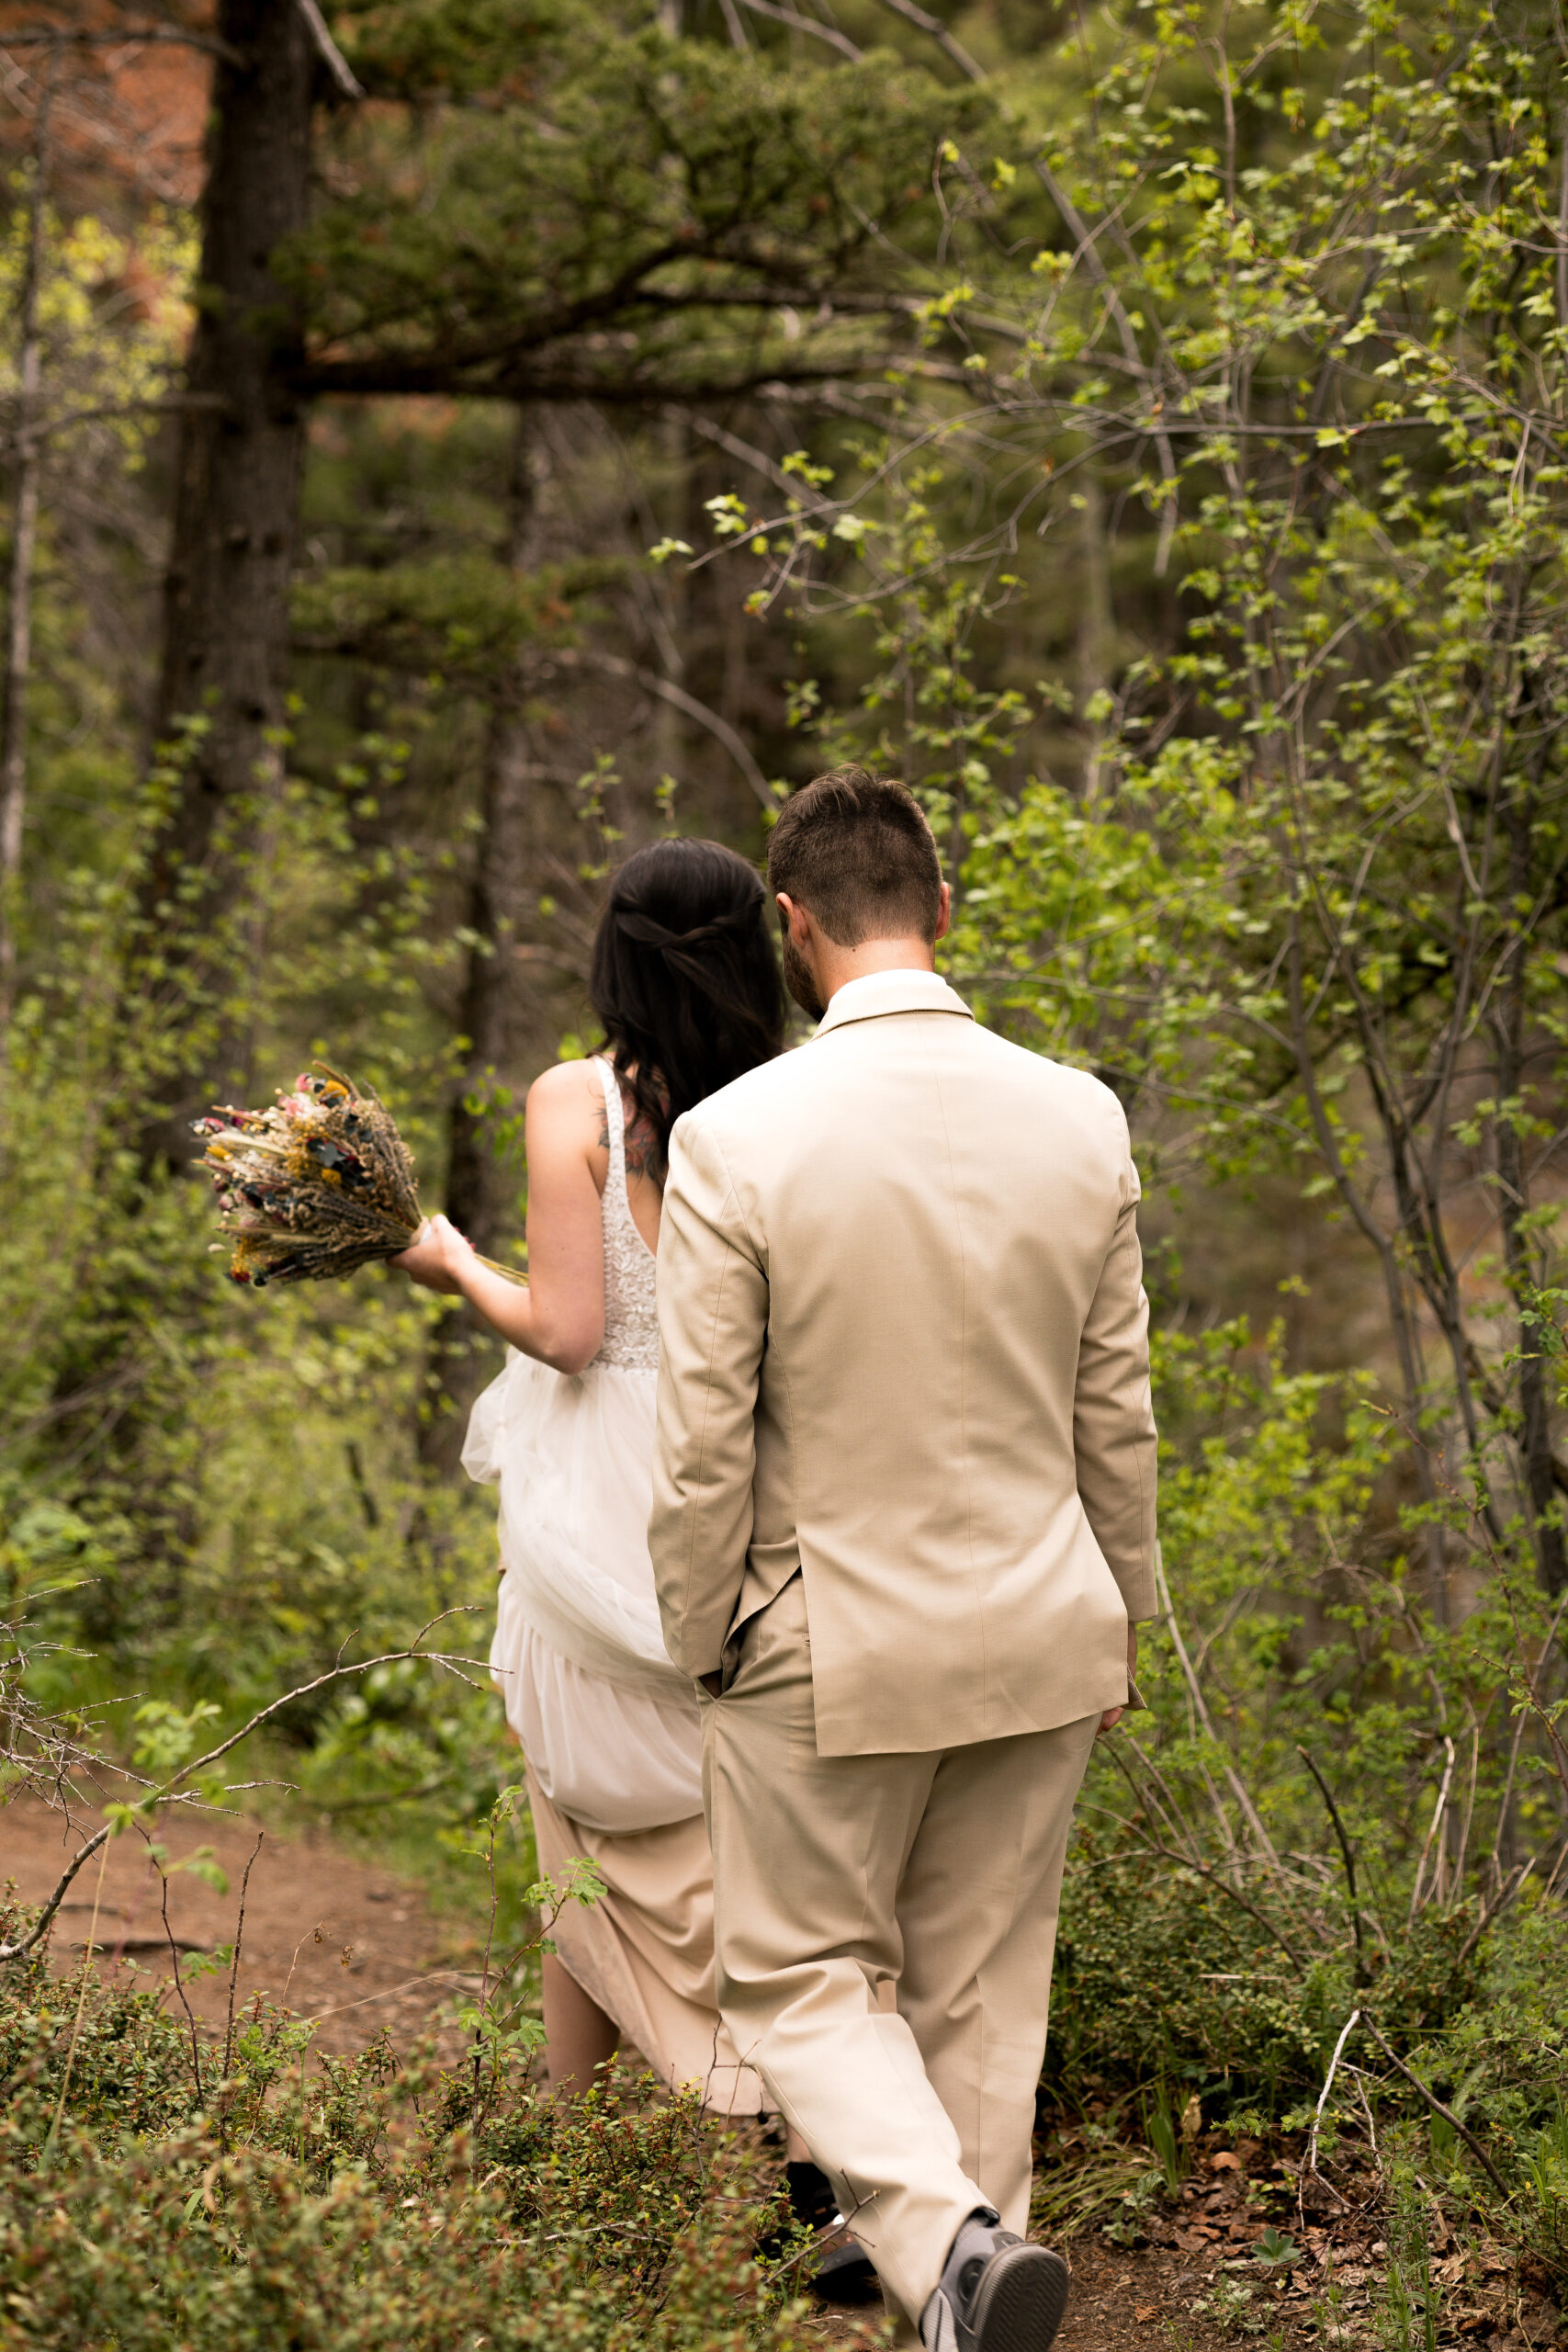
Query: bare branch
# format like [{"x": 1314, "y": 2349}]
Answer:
[
  {"x": 799, "y": 24},
  {"x": 125, "y": 36},
  {"x": 953, "y": 49},
  {"x": 330, "y": 55},
  {"x": 1435, "y": 2104},
  {"x": 667, "y": 691},
  {"x": 203, "y": 1763}
]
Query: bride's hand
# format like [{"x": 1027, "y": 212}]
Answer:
[{"x": 436, "y": 1256}]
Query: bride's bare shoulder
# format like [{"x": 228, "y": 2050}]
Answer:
[
  {"x": 568, "y": 1097},
  {"x": 576, "y": 1081}
]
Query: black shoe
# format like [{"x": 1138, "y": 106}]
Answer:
[
  {"x": 811, "y": 2200},
  {"x": 842, "y": 2273},
  {"x": 845, "y": 2274},
  {"x": 995, "y": 2294}
]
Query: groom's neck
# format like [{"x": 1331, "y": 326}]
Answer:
[{"x": 838, "y": 965}]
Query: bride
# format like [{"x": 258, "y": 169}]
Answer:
[{"x": 686, "y": 987}]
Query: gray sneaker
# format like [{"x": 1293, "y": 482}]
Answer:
[{"x": 995, "y": 2294}]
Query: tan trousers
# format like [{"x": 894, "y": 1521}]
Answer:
[{"x": 885, "y": 1928}]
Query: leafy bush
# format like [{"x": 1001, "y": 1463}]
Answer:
[
  {"x": 1160, "y": 1979},
  {"x": 314, "y": 2202}
]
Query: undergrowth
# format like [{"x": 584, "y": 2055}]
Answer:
[{"x": 273, "y": 2196}]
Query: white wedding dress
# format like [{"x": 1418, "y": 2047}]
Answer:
[{"x": 609, "y": 1726}]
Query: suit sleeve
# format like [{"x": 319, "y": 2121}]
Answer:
[
  {"x": 1113, "y": 1421},
  {"x": 713, "y": 1321}
]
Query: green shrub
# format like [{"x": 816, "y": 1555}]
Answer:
[{"x": 311, "y": 2202}]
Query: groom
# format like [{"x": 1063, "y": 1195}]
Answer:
[{"x": 903, "y": 1531}]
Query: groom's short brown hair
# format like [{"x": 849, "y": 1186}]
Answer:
[{"x": 856, "y": 850}]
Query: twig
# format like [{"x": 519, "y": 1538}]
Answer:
[
  {"x": 1239, "y": 1787},
  {"x": 950, "y": 48},
  {"x": 1435, "y": 2104},
  {"x": 1549, "y": 1889},
  {"x": 330, "y": 55},
  {"x": 239, "y": 1940},
  {"x": 799, "y": 24},
  {"x": 1438, "y": 1811},
  {"x": 174, "y": 1961},
  {"x": 1172, "y": 1854},
  {"x": 1366, "y": 2110},
  {"x": 484, "y": 1970},
  {"x": 168, "y": 404},
  {"x": 81, "y": 2004},
  {"x": 200, "y": 1763},
  {"x": 1461, "y": 1852},
  {"x": 1311, "y": 2165},
  {"x": 1348, "y": 1858},
  {"x": 125, "y": 36},
  {"x": 1508, "y": 1796},
  {"x": 579, "y": 658}
]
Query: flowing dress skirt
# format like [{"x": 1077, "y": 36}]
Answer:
[{"x": 609, "y": 1726}]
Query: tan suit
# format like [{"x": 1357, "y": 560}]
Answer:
[{"x": 904, "y": 1352}]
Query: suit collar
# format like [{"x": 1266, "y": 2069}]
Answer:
[{"x": 884, "y": 992}]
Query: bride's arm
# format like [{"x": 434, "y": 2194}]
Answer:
[{"x": 560, "y": 1317}]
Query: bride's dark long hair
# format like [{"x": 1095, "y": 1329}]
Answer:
[{"x": 684, "y": 977}]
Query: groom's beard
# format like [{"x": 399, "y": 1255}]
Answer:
[{"x": 798, "y": 980}]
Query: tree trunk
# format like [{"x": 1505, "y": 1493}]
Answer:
[
  {"x": 24, "y": 542},
  {"x": 226, "y": 596},
  {"x": 484, "y": 1156}
]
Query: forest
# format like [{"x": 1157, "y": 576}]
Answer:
[{"x": 445, "y": 445}]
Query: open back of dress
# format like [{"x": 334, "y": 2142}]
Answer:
[{"x": 608, "y": 1724}]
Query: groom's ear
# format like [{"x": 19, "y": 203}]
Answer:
[
  {"x": 791, "y": 919},
  {"x": 944, "y": 919}
]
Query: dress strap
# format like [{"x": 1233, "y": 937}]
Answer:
[
  {"x": 615, "y": 1131},
  {"x": 631, "y": 1319}
]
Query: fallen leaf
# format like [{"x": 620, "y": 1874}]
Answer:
[
  {"x": 1225, "y": 2161},
  {"x": 1144, "y": 2312}
]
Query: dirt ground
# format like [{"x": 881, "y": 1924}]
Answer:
[
  {"x": 1120, "y": 2301},
  {"x": 333, "y": 1938}
]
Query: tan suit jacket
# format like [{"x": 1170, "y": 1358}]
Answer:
[{"x": 904, "y": 1346}]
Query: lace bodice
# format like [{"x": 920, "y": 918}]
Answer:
[{"x": 631, "y": 1321}]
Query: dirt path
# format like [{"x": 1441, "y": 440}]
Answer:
[
  {"x": 1121, "y": 2301},
  {"x": 334, "y": 1938}
]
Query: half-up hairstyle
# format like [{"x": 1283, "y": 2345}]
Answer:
[{"x": 684, "y": 977}]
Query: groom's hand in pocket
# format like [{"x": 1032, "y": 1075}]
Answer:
[{"x": 1112, "y": 1715}]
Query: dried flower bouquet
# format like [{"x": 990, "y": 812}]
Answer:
[{"x": 314, "y": 1188}]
